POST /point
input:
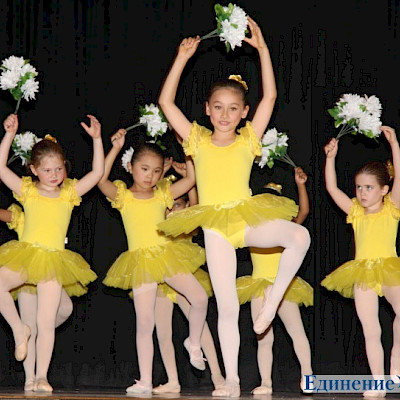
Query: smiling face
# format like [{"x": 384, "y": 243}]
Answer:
[
  {"x": 369, "y": 192},
  {"x": 226, "y": 108},
  {"x": 146, "y": 170},
  {"x": 50, "y": 171}
]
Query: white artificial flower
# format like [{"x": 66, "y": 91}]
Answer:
[
  {"x": 22, "y": 145},
  {"x": 153, "y": 121},
  {"x": 265, "y": 156},
  {"x": 373, "y": 105},
  {"x": 371, "y": 123},
  {"x": 282, "y": 140},
  {"x": 13, "y": 63},
  {"x": 29, "y": 88},
  {"x": 270, "y": 138},
  {"x": 127, "y": 158},
  {"x": 234, "y": 28},
  {"x": 28, "y": 68},
  {"x": 350, "y": 110},
  {"x": 9, "y": 79}
]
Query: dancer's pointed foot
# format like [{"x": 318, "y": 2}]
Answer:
[
  {"x": 265, "y": 317},
  {"x": 195, "y": 355},
  {"x": 21, "y": 349}
]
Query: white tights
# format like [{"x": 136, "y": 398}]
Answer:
[
  {"x": 42, "y": 313},
  {"x": 367, "y": 306},
  {"x": 164, "y": 311},
  {"x": 289, "y": 313},
  {"x": 144, "y": 298},
  {"x": 221, "y": 262}
]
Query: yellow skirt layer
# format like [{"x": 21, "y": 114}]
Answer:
[
  {"x": 201, "y": 275},
  {"x": 39, "y": 264},
  {"x": 365, "y": 273},
  {"x": 153, "y": 264},
  {"x": 222, "y": 217},
  {"x": 299, "y": 291}
]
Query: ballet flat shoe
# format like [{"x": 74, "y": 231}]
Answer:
[
  {"x": 229, "y": 389},
  {"x": 22, "y": 349},
  {"x": 197, "y": 360},
  {"x": 263, "y": 389},
  {"x": 41, "y": 385},
  {"x": 168, "y": 387}
]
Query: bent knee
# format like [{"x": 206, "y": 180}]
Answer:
[{"x": 301, "y": 238}]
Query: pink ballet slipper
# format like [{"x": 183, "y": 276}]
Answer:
[{"x": 21, "y": 349}]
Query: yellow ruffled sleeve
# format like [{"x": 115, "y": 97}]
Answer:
[
  {"x": 164, "y": 192},
  {"x": 196, "y": 135},
  {"x": 393, "y": 210},
  {"x": 118, "y": 202},
  {"x": 356, "y": 211},
  {"x": 249, "y": 135},
  {"x": 17, "y": 219},
  {"x": 69, "y": 189},
  {"x": 26, "y": 186}
]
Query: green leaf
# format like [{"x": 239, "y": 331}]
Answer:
[
  {"x": 235, "y": 25},
  {"x": 228, "y": 47},
  {"x": 338, "y": 122},
  {"x": 333, "y": 112}
]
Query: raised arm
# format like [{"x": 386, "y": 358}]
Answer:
[
  {"x": 11, "y": 180},
  {"x": 90, "y": 180},
  {"x": 266, "y": 105},
  {"x": 166, "y": 100},
  {"x": 391, "y": 137},
  {"x": 186, "y": 183},
  {"x": 340, "y": 198},
  {"x": 105, "y": 185},
  {"x": 300, "y": 178}
]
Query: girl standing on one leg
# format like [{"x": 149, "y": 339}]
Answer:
[
  {"x": 153, "y": 258},
  {"x": 374, "y": 215},
  {"x": 229, "y": 216},
  {"x": 39, "y": 258}
]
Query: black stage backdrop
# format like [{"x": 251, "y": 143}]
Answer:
[{"x": 106, "y": 58}]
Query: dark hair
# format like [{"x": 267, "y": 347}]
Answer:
[
  {"x": 147, "y": 148},
  {"x": 230, "y": 84},
  {"x": 45, "y": 148},
  {"x": 184, "y": 197},
  {"x": 377, "y": 169}
]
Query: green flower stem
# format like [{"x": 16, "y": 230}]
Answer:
[
  {"x": 344, "y": 131},
  {"x": 18, "y": 103},
  {"x": 12, "y": 158},
  {"x": 210, "y": 35},
  {"x": 133, "y": 126},
  {"x": 285, "y": 158}
]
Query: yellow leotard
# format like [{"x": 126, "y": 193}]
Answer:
[
  {"x": 376, "y": 263},
  {"x": 39, "y": 255},
  {"x": 265, "y": 267},
  {"x": 225, "y": 201},
  {"x": 151, "y": 256}
]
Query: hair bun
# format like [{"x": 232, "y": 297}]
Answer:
[
  {"x": 274, "y": 186},
  {"x": 238, "y": 78},
  {"x": 51, "y": 138}
]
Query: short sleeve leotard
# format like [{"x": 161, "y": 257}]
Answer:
[
  {"x": 376, "y": 263},
  {"x": 265, "y": 267},
  {"x": 39, "y": 254},
  {"x": 225, "y": 202},
  {"x": 151, "y": 256}
]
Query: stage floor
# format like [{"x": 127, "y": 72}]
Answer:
[{"x": 12, "y": 394}]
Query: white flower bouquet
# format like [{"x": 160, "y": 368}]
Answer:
[
  {"x": 357, "y": 114},
  {"x": 22, "y": 146},
  {"x": 231, "y": 25},
  {"x": 18, "y": 76},
  {"x": 274, "y": 147},
  {"x": 154, "y": 120},
  {"x": 127, "y": 158}
]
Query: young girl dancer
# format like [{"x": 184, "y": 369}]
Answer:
[
  {"x": 374, "y": 215},
  {"x": 166, "y": 297},
  {"x": 27, "y": 299},
  {"x": 153, "y": 258},
  {"x": 255, "y": 287},
  {"x": 39, "y": 258},
  {"x": 229, "y": 216}
]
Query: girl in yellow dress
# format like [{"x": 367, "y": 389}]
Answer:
[
  {"x": 39, "y": 257},
  {"x": 27, "y": 299},
  {"x": 153, "y": 258},
  {"x": 166, "y": 298},
  {"x": 253, "y": 288},
  {"x": 229, "y": 216},
  {"x": 375, "y": 271}
]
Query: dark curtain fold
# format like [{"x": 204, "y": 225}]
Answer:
[{"x": 107, "y": 57}]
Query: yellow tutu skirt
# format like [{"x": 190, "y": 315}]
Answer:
[
  {"x": 299, "y": 291},
  {"x": 202, "y": 276},
  {"x": 365, "y": 273},
  {"x": 153, "y": 264},
  {"x": 37, "y": 264},
  {"x": 223, "y": 217}
]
